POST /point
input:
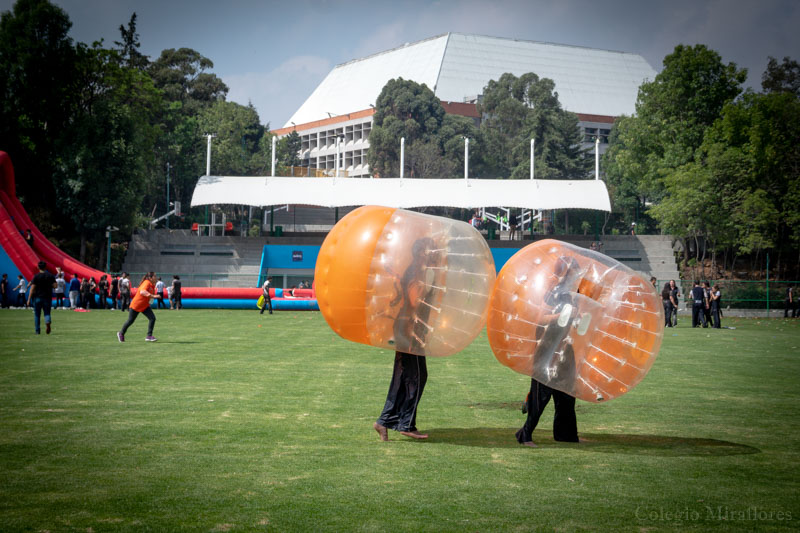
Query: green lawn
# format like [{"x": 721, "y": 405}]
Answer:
[{"x": 235, "y": 421}]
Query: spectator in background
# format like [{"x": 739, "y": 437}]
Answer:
[
  {"x": 666, "y": 297},
  {"x": 124, "y": 292},
  {"x": 61, "y": 288},
  {"x": 674, "y": 298},
  {"x": 114, "y": 291},
  {"x": 29, "y": 238},
  {"x": 74, "y": 292},
  {"x": 85, "y": 291},
  {"x": 102, "y": 287},
  {"x": 654, "y": 282},
  {"x": 160, "y": 294},
  {"x": 716, "y": 306},
  {"x": 698, "y": 297},
  {"x": 4, "y": 288},
  {"x": 512, "y": 227},
  {"x": 20, "y": 288},
  {"x": 788, "y": 303},
  {"x": 707, "y": 308},
  {"x": 176, "y": 292}
]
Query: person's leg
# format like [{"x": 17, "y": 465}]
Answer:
[
  {"x": 695, "y": 315},
  {"x": 668, "y": 314},
  {"x": 389, "y": 415},
  {"x": 538, "y": 399},
  {"x": 47, "y": 305},
  {"x": 131, "y": 319},
  {"x": 37, "y": 312},
  {"x": 417, "y": 380},
  {"x": 269, "y": 303},
  {"x": 151, "y": 317},
  {"x": 565, "y": 425}
]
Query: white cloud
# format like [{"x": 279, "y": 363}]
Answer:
[{"x": 278, "y": 93}]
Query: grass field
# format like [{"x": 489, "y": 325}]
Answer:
[{"x": 235, "y": 421}]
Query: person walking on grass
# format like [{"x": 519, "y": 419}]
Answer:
[
  {"x": 42, "y": 294},
  {"x": 141, "y": 304},
  {"x": 265, "y": 293}
]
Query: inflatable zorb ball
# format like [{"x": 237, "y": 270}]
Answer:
[
  {"x": 575, "y": 320},
  {"x": 405, "y": 281}
]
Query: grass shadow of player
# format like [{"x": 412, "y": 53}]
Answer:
[{"x": 657, "y": 445}]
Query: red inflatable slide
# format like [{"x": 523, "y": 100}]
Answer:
[{"x": 14, "y": 222}]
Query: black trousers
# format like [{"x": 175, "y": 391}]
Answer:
[
  {"x": 267, "y": 303},
  {"x": 408, "y": 381},
  {"x": 565, "y": 424},
  {"x": 151, "y": 316},
  {"x": 668, "y": 310},
  {"x": 698, "y": 315}
]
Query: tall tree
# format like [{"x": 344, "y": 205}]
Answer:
[
  {"x": 672, "y": 114},
  {"x": 188, "y": 89},
  {"x": 784, "y": 77},
  {"x": 38, "y": 92},
  {"x": 403, "y": 109},
  {"x": 105, "y": 152},
  {"x": 129, "y": 46},
  {"x": 518, "y": 109},
  {"x": 237, "y": 149}
]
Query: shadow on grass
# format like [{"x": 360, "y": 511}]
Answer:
[{"x": 594, "y": 442}]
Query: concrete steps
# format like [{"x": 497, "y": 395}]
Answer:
[{"x": 236, "y": 261}]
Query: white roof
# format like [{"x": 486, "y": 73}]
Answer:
[
  {"x": 456, "y": 66},
  {"x": 402, "y": 193}
]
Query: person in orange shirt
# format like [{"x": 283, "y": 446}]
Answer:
[{"x": 141, "y": 304}]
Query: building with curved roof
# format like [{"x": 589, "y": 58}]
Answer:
[{"x": 597, "y": 85}]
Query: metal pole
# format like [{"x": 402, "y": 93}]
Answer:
[
  {"x": 274, "y": 141},
  {"x": 208, "y": 154},
  {"x": 168, "y": 194},
  {"x": 402, "y": 156},
  {"x": 466, "y": 158},
  {"x": 597, "y": 158},
  {"x": 108, "y": 252},
  {"x": 533, "y": 144},
  {"x": 768, "y": 285}
]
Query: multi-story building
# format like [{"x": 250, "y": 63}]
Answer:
[{"x": 597, "y": 85}]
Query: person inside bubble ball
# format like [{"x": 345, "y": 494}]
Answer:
[
  {"x": 556, "y": 357},
  {"x": 417, "y": 291}
]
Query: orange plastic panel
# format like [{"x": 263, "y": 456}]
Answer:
[
  {"x": 405, "y": 281},
  {"x": 575, "y": 320}
]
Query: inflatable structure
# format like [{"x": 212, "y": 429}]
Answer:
[
  {"x": 405, "y": 281},
  {"x": 575, "y": 320},
  {"x": 14, "y": 222}
]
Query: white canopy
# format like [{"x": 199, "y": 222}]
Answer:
[{"x": 402, "y": 193}]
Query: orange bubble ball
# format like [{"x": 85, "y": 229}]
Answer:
[
  {"x": 403, "y": 280},
  {"x": 575, "y": 320}
]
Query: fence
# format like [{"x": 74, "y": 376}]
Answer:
[{"x": 762, "y": 294}]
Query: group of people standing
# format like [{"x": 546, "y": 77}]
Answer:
[{"x": 706, "y": 302}]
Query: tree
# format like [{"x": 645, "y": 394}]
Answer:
[
  {"x": 673, "y": 113},
  {"x": 38, "y": 92},
  {"x": 406, "y": 109},
  {"x": 101, "y": 172},
  {"x": 781, "y": 78},
  {"x": 129, "y": 46},
  {"x": 188, "y": 89},
  {"x": 237, "y": 149},
  {"x": 287, "y": 150},
  {"x": 516, "y": 110}
]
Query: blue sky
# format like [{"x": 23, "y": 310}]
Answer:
[{"x": 274, "y": 54}]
